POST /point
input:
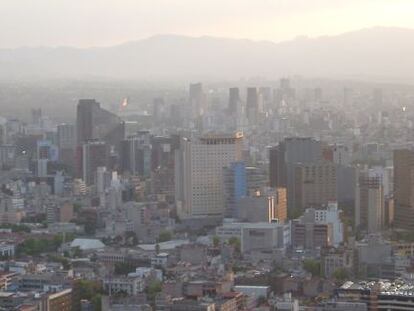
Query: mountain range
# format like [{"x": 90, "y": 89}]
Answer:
[{"x": 378, "y": 51}]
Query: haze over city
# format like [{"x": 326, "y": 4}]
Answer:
[
  {"x": 109, "y": 22},
  {"x": 194, "y": 155}
]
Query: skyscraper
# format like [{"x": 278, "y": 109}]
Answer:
[
  {"x": 66, "y": 136},
  {"x": 94, "y": 155},
  {"x": 252, "y": 105},
  {"x": 404, "y": 189},
  {"x": 235, "y": 186},
  {"x": 66, "y": 140},
  {"x": 85, "y": 119},
  {"x": 196, "y": 100},
  {"x": 315, "y": 184},
  {"x": 234, "y": 101},
  {"x": 283, "y": 159},
  {"x": 93, "y": 122},
  {"x": 369, "y": 202},
  {"x": 199, "y": 167},
  {"x": 136, "y": 154},
  {"x": 277, "y": 166}
]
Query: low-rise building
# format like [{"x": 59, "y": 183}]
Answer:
[{"x": 129, "y": 285}]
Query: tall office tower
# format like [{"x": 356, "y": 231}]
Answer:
[
  {"x": 252, "y": 105},
  {"x": 85, "y": 112},
  {"x": 66, "y": 140},
  {"x": 234, "y": 101},
  {"x": 66, "y": 136},
  {"x": 404, "y": 189},
  {"x": 163, "y": 151},
  {"x": 93, "y": 122},
  {"x": 199, "y": 173},
  {"x": 277, "y": 166},
  {"x": 369, "y": 202},
  {"x": 256, "y": 179},
  {"x": 235, "y": 186},
  {"x": 46, "y": 152},
  {"x": 94, "y": 155},
  {"x": 315, "y": 184},
  {"x": 135, "y": 155},
  {"x": 283, "y": 159},
  {"x": 41, "y": 169},
  {"x": 197, "y": 100}
]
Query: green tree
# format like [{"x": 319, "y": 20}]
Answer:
[
  {"x": 131, "y": 238},
  {"x": 124, "y": 268},
  {"x": 92, "y": 291},
  {"x": 312, "y": 266},
  {"x": 216, "y": 241},
  {"x": 235, "y": 242},
  {"x": 16, "y": 227},
  {"x": 340, "y": 274},
  {"x": 153, "y": 289},
  {"x": 164, "y": 236}
]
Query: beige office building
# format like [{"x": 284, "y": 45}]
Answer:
[{"x": 199, "y": 173}]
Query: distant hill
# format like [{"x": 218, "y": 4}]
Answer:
[{"x": 375, "y": 51}]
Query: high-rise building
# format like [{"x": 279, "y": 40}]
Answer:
[
  {"x": 94, "y": 155},
  {"x": 66, "y": 136},
  {"x": 315, "y": 184},
  {"x": 404, "y": 189},
  {"x": 85, "y": 119},
  {"x": 197, "y": 100},
  {"x": 277, "y": 166},
  {"x": 235, "y": 186},
  {"x": 369, "y": 202},
  {"x": 66, "y": 140},
  {"x": 252, "y": 105},
  {"x": 283, "y": 159},
  {"x": 234, "y": 101},
  {"x": 199, "y": 167},
  {"x": 93, "y": 122},
  {"x": 163, "y": 151},
  {"x": 136, "y": 154},
  {"x": 256, "y": 179}
]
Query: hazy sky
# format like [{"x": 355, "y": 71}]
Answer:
[{"x": 87, "y": 23}]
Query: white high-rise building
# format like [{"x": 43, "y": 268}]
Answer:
[{"x": 199, "y": 167}]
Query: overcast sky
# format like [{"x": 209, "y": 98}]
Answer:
[{"x": 86, "y": 23}]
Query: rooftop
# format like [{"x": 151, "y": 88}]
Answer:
[{"x": 397, "y": 288}]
